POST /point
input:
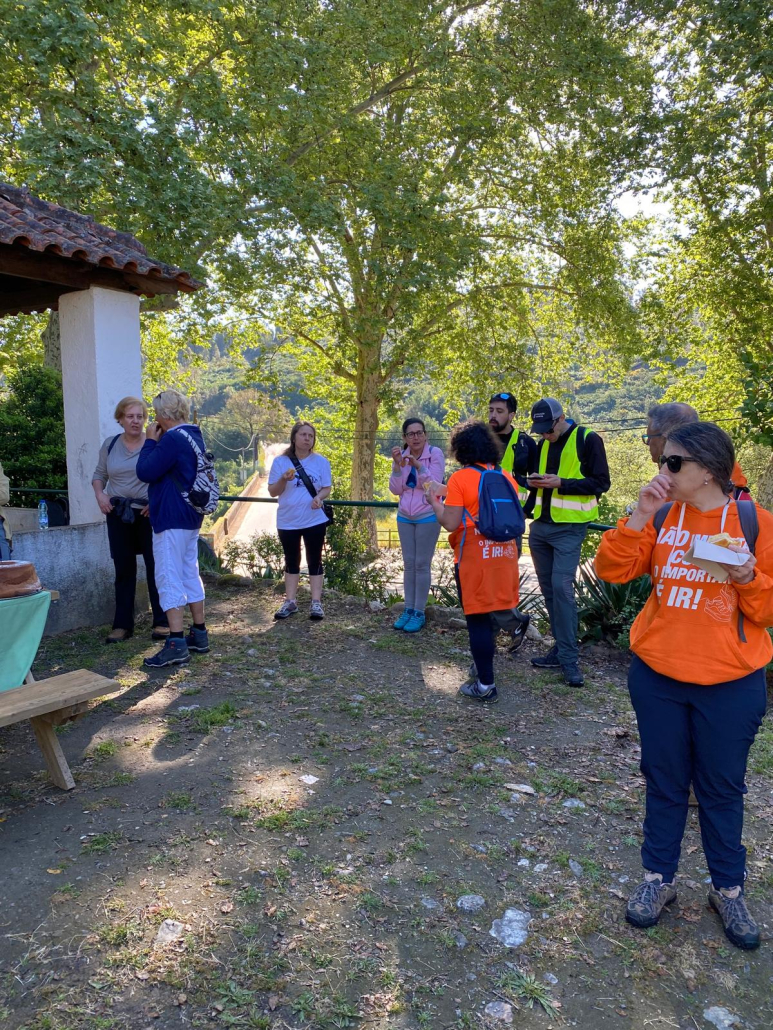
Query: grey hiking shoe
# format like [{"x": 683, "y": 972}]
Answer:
[
  {"x": 648, "y": 901},
  {"x": 740, "y": 927},
  {"x": 547, "y": 661},
  {"x": 316, "y": 611},
  {"x": 476, "y": 692},
  {"x": 285, "y": 610}
]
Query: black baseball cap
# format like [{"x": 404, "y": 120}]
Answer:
[
  {"x": 508, "y": 398},
  {"x": 544, "y": 415}
]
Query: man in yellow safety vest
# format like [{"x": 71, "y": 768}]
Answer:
[
  {"x": 519, "y": 458},
  {"x": 572, "y": 473}
]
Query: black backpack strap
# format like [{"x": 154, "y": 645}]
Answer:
[
  {"x": 112, "y": 443},
  {"x": 303, "y": 475},
  {"x": 750, "y": 527},
  {"x": 660, "y": 517}
]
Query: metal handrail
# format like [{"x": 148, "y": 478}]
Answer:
[{"x": 600, "y": 526}]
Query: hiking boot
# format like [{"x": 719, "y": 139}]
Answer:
[
  {"x": 648, "y": 901},
  {"x": 197, "y": 640},
  {"x": 401, "y": 620},
  {"x": 285, "y": 610},
  {"x": 117, "y": 636},
  {"x": 476, "y": 692},
  {"x": 174, "y": 652},
  {"x": 518, "y": 635},
  {"x": 740, "y": 927},
  {"x": 572, "y": 675},
  {"x": 316, "y": 612},
  {"x": 415, "y": 623},
  {"x": 549, "y": 660}
]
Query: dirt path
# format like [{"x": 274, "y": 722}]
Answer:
[
  {"x": 302, "y": 810},
  {"x": 260, "y": 518}
]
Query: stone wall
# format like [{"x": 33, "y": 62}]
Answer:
[{"x": 75, "y": 560}]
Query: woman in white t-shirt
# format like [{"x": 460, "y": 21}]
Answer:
[{"x": 300, "y": 515}]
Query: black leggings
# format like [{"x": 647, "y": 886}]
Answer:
[
  {"x": 313, "y": 541},
  {"x": 127, "y": 540},
  {"x": 482, "y": 645}
]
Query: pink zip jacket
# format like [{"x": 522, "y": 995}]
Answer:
[{"x": 413, "y": 503}]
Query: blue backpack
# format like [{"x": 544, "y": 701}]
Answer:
[{"x": 500, "y": 515}]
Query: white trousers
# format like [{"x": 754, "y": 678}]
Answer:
[{"x": 176, "y": 554}]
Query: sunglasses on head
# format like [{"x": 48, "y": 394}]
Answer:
[
  {"x": 674, "y": 462},
  {"x": 502, "y": 397}
]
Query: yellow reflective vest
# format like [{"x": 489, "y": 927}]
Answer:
[
  {"x": 507, "y": 462},
  {"x": 567, "y": 507}
]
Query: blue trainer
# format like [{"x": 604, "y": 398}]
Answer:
[
  {"x": 415, "y": 623},
  {"x": 197, "y": 640},
  {"x": 476, "y": 692},
  {"x": 174, "y": 652},
  {"x": 402, "y": 620}
]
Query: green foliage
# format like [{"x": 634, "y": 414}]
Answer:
[
  {"x": 334, "y": 173},
  {"x": 606, "y": 610},
  {"x": 32, "y": 432},
  {"x": 350, "y": 565},
  {"x": 261, "y": 558}
]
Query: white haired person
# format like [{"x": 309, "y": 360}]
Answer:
[
  {"x": 168, "y": 462},
  {"x": 123, "y": 499}
]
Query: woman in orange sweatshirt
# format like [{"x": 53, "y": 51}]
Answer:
[{"x": 697, "y": 679}]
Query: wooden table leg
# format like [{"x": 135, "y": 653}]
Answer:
[{"x": 56, "y": 763}]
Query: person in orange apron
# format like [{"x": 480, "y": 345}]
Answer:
[{"x": 486, "y": 571}]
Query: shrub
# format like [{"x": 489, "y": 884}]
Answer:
[
  {"x": 351, "y": 566},
  {"x": 607, "y": 610},
  {"x": 261, "y": 558},
  {"x": 32, "y": 432}
]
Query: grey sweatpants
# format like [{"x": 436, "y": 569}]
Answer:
[
  {"x": 418, "y": 540},
  {"x": 555, "y": 551}
]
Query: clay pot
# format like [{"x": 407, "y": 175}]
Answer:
[{"x": 17, "y": 579}]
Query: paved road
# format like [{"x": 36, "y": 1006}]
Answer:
[{"x": 260, "y": 518}]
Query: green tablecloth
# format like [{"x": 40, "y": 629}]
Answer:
[{"x": 22, "y": 621}]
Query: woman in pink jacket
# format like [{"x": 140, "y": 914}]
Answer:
[{"x": 414, "y": 465}]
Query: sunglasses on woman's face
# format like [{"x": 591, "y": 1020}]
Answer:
[{"x": 674, "y": 462}]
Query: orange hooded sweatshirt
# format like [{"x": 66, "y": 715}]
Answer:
[{"x": 688, "y": 629}]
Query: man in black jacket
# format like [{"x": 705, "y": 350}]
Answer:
[{"x": 572, "y": 473}]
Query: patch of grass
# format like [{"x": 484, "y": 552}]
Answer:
[
  {"x": 538, "y": 899},
  {"x": 102, "y": 751},
  {"x": 206, "y": 719},
  {"x": 527, "y": 988},
  {"x": 102, "y": 843},
  {"x": 761, "y": 754},
  {"x": 371, "y": 902},
  {"x": 427, "y": 877},
  {"x": 119, "y": 779},
  {"x": 180, "y": 800}
]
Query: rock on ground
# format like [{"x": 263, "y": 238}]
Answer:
[{"x": 512, "y": 929}]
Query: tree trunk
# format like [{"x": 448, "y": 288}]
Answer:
[
  {"x": 765, "y": 486},
  {"x": 52, "y": 342},
  {"x": 364, "y": 446}
]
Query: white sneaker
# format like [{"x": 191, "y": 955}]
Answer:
[
  {"x": 287, "y": 609},
  {"x": 317, "y": 612}
]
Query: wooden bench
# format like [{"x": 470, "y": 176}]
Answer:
[{"x": 49, "y": 703}]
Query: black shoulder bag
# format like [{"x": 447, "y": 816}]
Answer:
[{"x": 326, "y": 508}]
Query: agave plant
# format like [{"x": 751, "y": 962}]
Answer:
[{"x": 606, "y": 610}]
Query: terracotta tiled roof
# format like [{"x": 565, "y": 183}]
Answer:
[{"x": 40, "y": 226}]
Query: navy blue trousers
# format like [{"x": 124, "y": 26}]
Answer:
[{"x": 699, "y": 734}]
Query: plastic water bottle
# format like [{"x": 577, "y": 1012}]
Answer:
[{"x": 42, "y": 514}]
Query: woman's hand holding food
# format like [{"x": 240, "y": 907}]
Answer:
[
  {"x": 289, "y": 475},
  {"x": 652, "y": 496},
  {"x": 740, "y": 573}
]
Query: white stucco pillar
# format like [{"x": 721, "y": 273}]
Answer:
[{"x": 101, "y": 363}]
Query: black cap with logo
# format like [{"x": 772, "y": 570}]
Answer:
[{"x": 544, "y": 415}]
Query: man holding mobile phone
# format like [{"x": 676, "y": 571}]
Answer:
[{"x": 572, "y": 473}]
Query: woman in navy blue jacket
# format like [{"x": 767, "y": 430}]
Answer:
[{"x": 168, "y": 463}]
